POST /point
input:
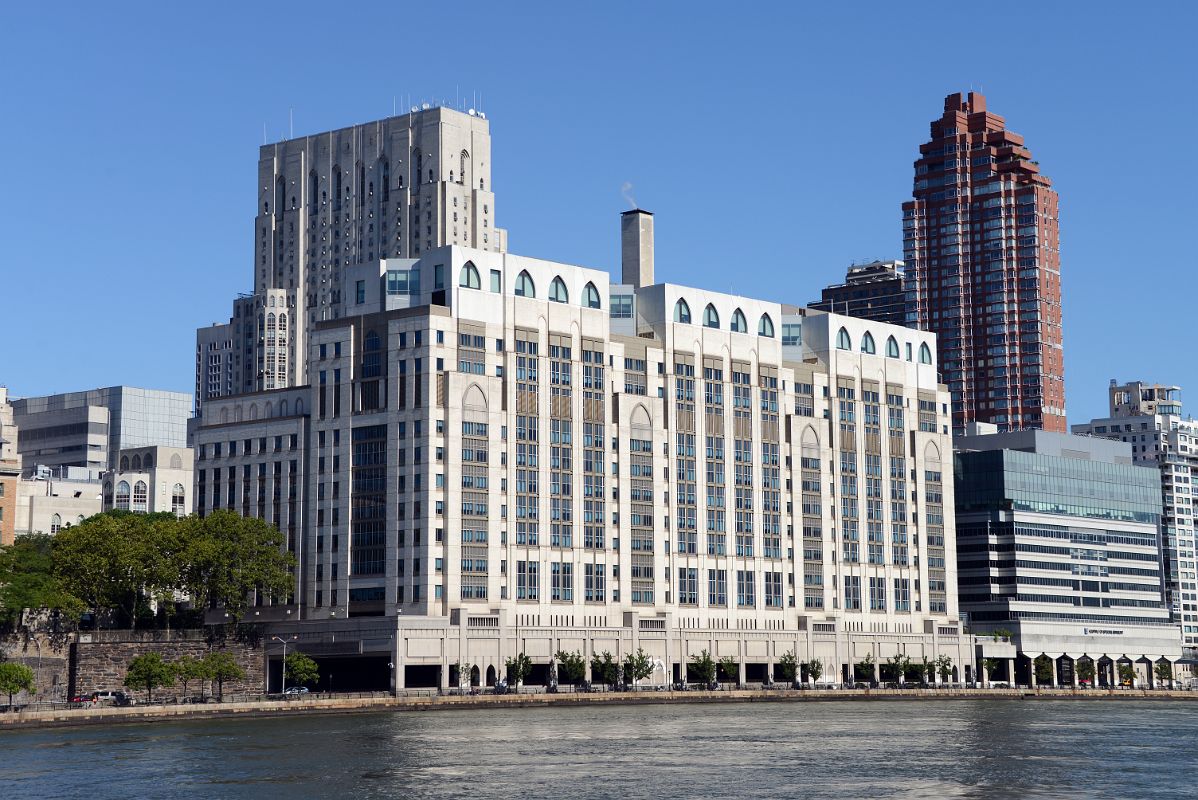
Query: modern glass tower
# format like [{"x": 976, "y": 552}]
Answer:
[{"x": 982, "y": 250}]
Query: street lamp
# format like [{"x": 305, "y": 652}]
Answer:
[{"x": 284, "y": 641}]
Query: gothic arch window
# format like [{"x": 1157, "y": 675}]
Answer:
[
  {"x": 79, "y": 520},
  {"x": 765, "y": 327},
  {"x": 464, "y": 161},
  {"x": 124, "y": 463},
  {"x": 122, "y": 495},
  {"x": 108, "y": 494},
  {"x": 590, "y": 296},
  {"x": 140, "y": 497},
  {"x": 524, "y": 285},
  {"x": 892, "y": 348},
  {"x": 55, "y": 523},
  {"x": 843, "y": 342},
  {"x": 282, "y": 323},
  {"x": 178, "y": 500},
  {"x": 739, "y": 324},
  {"x": 867, "y": 344},
  {"x": 176, "y": 461},
  {"x": 925, "y": 354},
  {"x": 469, "y": 276},
  {"x": 136, "y": 463},
  {"x": 682, "y": 311},
  {"x": 147, "y": 461},
  {"x": 711, "y": 317},
  {"x": 558, "y": 292},
  {"x": 282, "y": 408}
]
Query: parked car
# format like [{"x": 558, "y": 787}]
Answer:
[{"x": 296, "y": 690}]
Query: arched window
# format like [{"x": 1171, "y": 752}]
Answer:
[
  {"x": 524, "y": 285},
  {"x": 867, "y": 343},
  {"x": 122, "y": 495},
  {"x": 282, "y": 408},
  {"x": 590, "y": 296},
  {"x": 925, "y": 354},
  {"x": 108, "y": 495},
  {"x": 464, "y": 160},
  {"x": 558, "y": 292},
  {"x": 136, "y": 464},
  {"x": 124, "y": 463},
  {"x": 147, "y": 461},
  {"x": 79, "y": 520},
  {"x": 711, "y": 317},
  {"x": 892, "y": 350},
  {"x": 739, "y": 323},
  {"x": 55, "y": 523},
  {"x": 282, "y": 323},
  {"x": 313, "y": 190},
  {"x": 765, "y": 327},
  {"x": 469, "y": 276},
  {"x": 178, "y": 501},
  {"x": 176, "y": 461},
  {"x": 141, "y": 497},
  {"x": 682, "y": 312},
  {"x": 385, "y": 177},
  {"x": 843, "y": 342},
  {"x": 336, "y": 188}
]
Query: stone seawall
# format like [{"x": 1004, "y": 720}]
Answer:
[
  {"x": 99, "y": 660},
  {"x": 318, "y": 705}
]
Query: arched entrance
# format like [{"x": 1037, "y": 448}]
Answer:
[
  {"x": 491, "y": 675},
  {"x": 474, "y": 675}
]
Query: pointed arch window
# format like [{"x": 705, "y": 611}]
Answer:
[
  {"x": 765, "y": 326},
  {"x": 682, "y": 311},
  {"x": 524, "y": 285},
  {"x": 176, "y": 461},
  {"x": 140, "y": 497},
  {"x": 124, "y": 463},
  {"x": 843, "y": 342},
  {"x": 122, "y": 495},
  {"x": 137, "y": 463},
  {"x": 558, "y": 292},
  {"x": 739, "y": 323},
  {"x": 867, "y": 344},
  {"x": 55, "y": 523},
  {"x": 178, "y": 500},
  {"x": 711, "y": 317},
  {"x": 590, "y": 296},
  {"x": 892, "y": 348},
  {"x": 469, "y": 276},
  {"x": 925, "y": 354}
]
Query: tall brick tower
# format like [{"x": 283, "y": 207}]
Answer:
[{"x": 982, "y": 247}]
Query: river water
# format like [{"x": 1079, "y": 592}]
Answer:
[{"x": 902, "y": 749}]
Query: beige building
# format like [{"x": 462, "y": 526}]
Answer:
[
  {"x": 329, "y": 202},
  {"x": 52, "y": 498},
  {"x": 10, "y": 470},
  {"x": 151, "y": 480},
  {"x": 517, "y": 455}
]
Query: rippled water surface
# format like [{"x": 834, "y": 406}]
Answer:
[{"x": 917, "y": 749}]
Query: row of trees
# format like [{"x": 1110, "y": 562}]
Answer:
[
  {"x": 151, "y": 671},
  {"x": 131, "y": 564}
]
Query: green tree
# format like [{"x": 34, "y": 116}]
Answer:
[
  {"x": 149, "y": 671},
  {"x": 1043, "y": 669},
  {"x": 226, "y": 556},
  {"x": 918, "y": 671},
  {"x": 188, "y": 669},
  {"x": 301, "y": 670},
  {"x": 572, "y": 667},
  {"x": 222, "y": 666},
  {"x": 944, "y": 667},
  {"x": 1127, "y": 674},
  {"x": 864, "y": 669},
  {"x": 787, "y": 667},
  {"x": 637, "y": 666},
  {"x": 1085, "y": 670},
  {"x": 15, "y": 677},
  {"x": 1163, "y": 671},
  {"x": 604, "y": 668},
  {"x": 991, "y": 666},
  {"x": 898, "y": 664},
  {"x": 518, "y": 668},
  {"x": 730, "y": 669},
  {"x": 704, "y": 667},
  {"x": 814, "y": 669},
  {"x": 27, "y": 580}
]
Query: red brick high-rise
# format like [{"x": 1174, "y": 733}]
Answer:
[{"x": 983, "y": 260}]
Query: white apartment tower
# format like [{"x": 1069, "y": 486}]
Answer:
[
  {"x": 1148, "y": 417},
  {"x": 387, "y": 189}
]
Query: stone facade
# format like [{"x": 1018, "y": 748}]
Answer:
[{"x": 100, "y": 659}]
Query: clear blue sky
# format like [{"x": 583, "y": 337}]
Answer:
[{"x": 774, "y": 144}]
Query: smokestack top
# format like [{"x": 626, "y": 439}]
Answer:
[
  {"x": 637, "y": 211},
  {"x": 636, "y": 247}
]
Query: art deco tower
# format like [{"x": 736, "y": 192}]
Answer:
[{"x": 981, "y": 244}]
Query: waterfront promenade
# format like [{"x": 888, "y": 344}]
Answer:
[{"x": 349, "y": 704}]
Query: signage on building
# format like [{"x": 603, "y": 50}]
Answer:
[{"x": 1101, "y": 632}]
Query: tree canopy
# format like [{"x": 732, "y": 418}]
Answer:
[
  {"x": 13, "y": 678},
  {"x": 149, "y": 671},
  {"x": 123, "y": 561}
]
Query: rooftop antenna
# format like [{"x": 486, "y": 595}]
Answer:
[
  {"x": 263, "y": 133},
  {"x": 291, "y": 123},
  {"x": 393, "y": 105}
]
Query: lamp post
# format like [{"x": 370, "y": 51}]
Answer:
[{"x": 284, "y": 641}]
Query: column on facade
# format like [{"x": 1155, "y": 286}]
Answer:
[{"x": 1055, "y": 682}]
